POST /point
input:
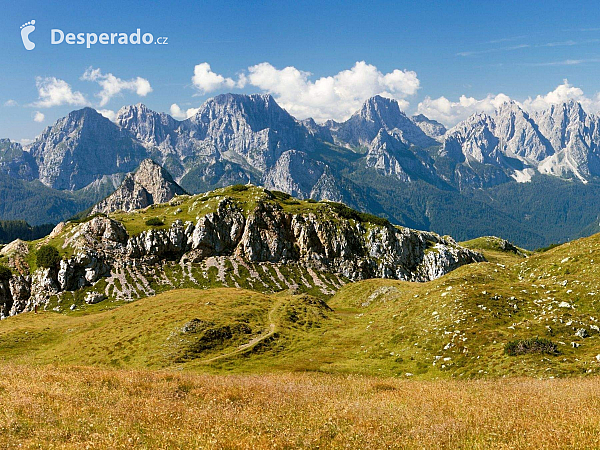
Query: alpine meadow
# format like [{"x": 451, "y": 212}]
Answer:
[{"x": 300, "y": 225}]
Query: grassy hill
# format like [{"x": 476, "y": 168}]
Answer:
[{"x": 456, "y": 326}]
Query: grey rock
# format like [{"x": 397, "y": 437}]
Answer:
[
  {"x": 16, "y": 162},
  {"x": 93, "y": 297},
  {"x": 582, "y": 333},
  {"x": 82, "y": 147},
  {"x": 430, "y": 127},
  {"x": 379, "y": 113},
  {"x": 150, "y": 184},
  {"x": 266, "y": 234}
]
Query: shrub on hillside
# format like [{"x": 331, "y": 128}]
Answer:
[
  {"x": 154, "y": 222},
  {"x": 47, "y": 257},
  {"x": 239, "y": 188},
  {"x": 350, "y": 214},
  {"x": 279, "y": 195},
  {"x": 5, "y": 273},
  {"x": 531, "y": 346}
]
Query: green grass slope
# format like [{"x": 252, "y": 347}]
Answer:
[{"x": 456, "y": 326}]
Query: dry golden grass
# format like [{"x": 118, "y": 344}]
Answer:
[{"x": 79, "y": 407}]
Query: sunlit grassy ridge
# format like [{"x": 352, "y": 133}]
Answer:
[{"x": 456, "y": 326}]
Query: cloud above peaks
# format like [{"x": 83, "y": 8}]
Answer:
[
  {"x": 38, "y": 117},
  {"x": 55, "y": 92},
  {"x": 562, "y": 93},
  {"x": 109, "y": 114},
  {"x": 328, "y": 97},
  {"x": 112, "y": 85},
  {"x": 450, "y": 113},
  {"x": 180, "y": 114},
  {"x": 205, "y": 80}
]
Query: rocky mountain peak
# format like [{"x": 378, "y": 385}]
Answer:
[
  {"x": 379, "y": 113},
  {"x": 430, "y": 127},
  {"x": 16, "y": 162},
  {"x": 149, "y": 184},
  {"x": 148, "y": 126},
  {"x": 519, "y": 134},
  {"x": 259, "y": 111},
  {"x": 381, "y": 109}
]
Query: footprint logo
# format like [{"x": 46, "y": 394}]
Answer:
[{"x": 26, "y": 30}]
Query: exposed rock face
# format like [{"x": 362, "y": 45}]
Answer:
[
  {"x": 15, "y": 295},
  {"x": 247, "y": 138},
  {"x": 84, "y": 269},
  {"x": 321, "y": 132},
  {"x": 6, "y": 300},
  {"x": 575, "y": 136},
  {"x": 520, "y": 135},
  {"x": 17, "y": 246},
  {"x": 16, "y": 162},
  {"x": 148, "y": 185},
  {"x": 252, "y": 126},
  {"x": 474, "y": 139},
  {"x": 268, "y": 234},
  {"x": 152, "y": 128},
  {"x": 430, "y": 127},
  {"x": 563, "y": 141},
  {"x": 299, "y": 175},
  {"x": 321, "y": 241},
  {"x": 82, "y": 147},
  {"x": 376, "y": 114},
  {"x": 390, "y": 157}
]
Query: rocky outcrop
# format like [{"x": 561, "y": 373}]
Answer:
[
  {"x": 268, "y": 234},
  {"x": 430, "y": 127},
  {"x": 150, "y": 184},
  {"x": 83, "y": 269},
  {"x": 390, "y": 157},
  {"x": 320, "y": 240}
]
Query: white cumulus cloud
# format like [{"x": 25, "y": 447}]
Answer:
[
  {"x": 109, "y": 114},
  {"x": 205, "y": 80},
  {"x": 55, "y": 92},
  {"x": 10, "y": 102},
  {"x": 450, "y": 113},
  {"x": 38, "y": 117},
  {"x": 562, "y": 93},
  {"x": 112, "y": 85},
  {"x": 328, "y": 97},
  {"x": 180, "y": 114}
]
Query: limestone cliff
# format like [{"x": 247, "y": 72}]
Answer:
[{"x": 234, "y": 230}]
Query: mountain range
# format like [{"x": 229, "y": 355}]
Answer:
[{"x": 532, "y": 178}]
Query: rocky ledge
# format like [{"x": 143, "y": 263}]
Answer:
[{"x": 321, "y": 239}]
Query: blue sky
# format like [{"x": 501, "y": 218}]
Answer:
[{"x": 451, "y": 49}]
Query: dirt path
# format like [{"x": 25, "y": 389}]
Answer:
[{"x": 242, "y": 348}]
